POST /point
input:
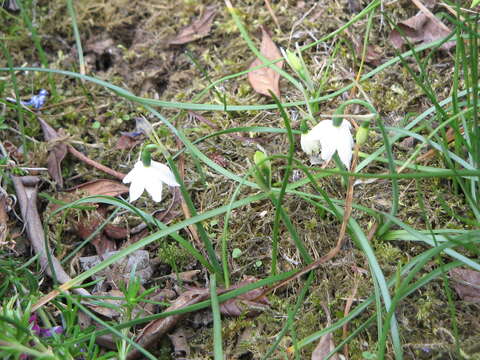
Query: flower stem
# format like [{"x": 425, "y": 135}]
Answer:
[{"x": 147, "y": 154}]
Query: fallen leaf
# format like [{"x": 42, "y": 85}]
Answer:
[
  {"x": 57, "y": 152},
  {"x": 248, "y": 304},
  {"x": 373, "y": 55},
  {"x": 120, "y": 270},
  {"x": 26, "y": 188},
  {"x": 13, "y": 151},
  {"x": 420, "y": 29},
  {"x": 197, "y": 29},
  {"x": 3, "y": 219},
  {"x": 326, "y": 345},
  {"x": 126, "y": 142},
  {"x": 265, "y": 79},
  {"x": 157, "y": 328},
  {"x": 181, "y": 349},
  {"x": 466, "y": 283},
  {"x": 109, "y": 312},
  {"x": 112, "y": 312},
  {"x": 86, "y": 227},
  {"x": 186, "y": 276},
  {"x": 101, "y": 187}
]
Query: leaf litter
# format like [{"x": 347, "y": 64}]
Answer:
[{"x": 266, "y": 79}]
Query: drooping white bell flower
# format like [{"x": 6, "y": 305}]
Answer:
[
  {"x": 328, "y": 138},
  {"x": 150, "y": 178}
]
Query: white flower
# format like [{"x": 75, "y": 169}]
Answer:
[
  {"x": 329, "y": 138},
  {"x": 150, "y": 178}
]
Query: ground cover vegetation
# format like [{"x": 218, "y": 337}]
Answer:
[{"x": 239, "y": 179}]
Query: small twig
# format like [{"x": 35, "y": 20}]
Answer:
[
  {"x": 270, "y": 10},
  {"x": 93, "y": 163},
  {"x": 348, "y": 306}
]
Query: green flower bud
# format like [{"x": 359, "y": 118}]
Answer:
[
  {"x": 263, "y": 171},
  {"x": 294, "y": 61},
  {"x": 362, "y": 133},
  {"x": 146, "y": 155}
]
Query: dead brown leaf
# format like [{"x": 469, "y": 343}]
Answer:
[
  {"x": 86, "y": 227},
  {"x": 3, "y": 218},
  {"x": 420, "y": 29},
  {"x": 265, "y": 79},
  {"x": 249, "y": 304},
  {"x": 466, "y": 284},
  {"x": 101, "y": 187},
  {"x": 56, "y": 153},
  {"x": 181, "y": 349},
  {"x": 158, "y": 328},
  {"x": 198, "y": 29},
  {"x": 126, "y": 142},
  {"x": 109, "y": 312},
  {"x": 121, "y": 270},
  {"x": 326, "y": 345}
]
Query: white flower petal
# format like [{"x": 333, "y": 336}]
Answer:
[
  {"x": 136, "y": 189},
  {"x": 132, "y": 173},
  {"x": 154, "y": 188},
  {"x": 309, "y": 144},
  {"x": 164, "y": 173}
]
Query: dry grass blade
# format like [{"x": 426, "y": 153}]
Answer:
[{"x": 265, "y": 79}]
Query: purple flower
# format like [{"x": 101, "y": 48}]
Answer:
[
  {"x": 37, "y": 101},
  {"x": 41, "y": 331}
]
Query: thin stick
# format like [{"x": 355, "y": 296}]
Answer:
[
  {"x": 93, "y": 163},
  {"x": 270, "y": 10}
]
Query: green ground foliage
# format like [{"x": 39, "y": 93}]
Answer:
[{"x": 125, "y": 43}]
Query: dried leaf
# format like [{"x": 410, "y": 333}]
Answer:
[
  {"x": 101, "y": 187},
  {"x": 157, "y": 328},
  {"x": 57, "y": 152},
  {"x": 186, "y": 276},
  {"x": 86, "y": 226},
  {"x": 160, "y": 327},
  {"x": 373, "y": 54},
  {"x": 120, "y": 270},
  {"x": 26, "y": 188},
  {"x": 126, "y": 142},
  {"x": 325, "y": 345},
  {"x": 181, "y": 349},
  {"x": 108, "y": 311},
  {"x": 466, "y": 284},
  {"x": 420, "y": 29},
  {"x": 3, "y": 218},
  {"x": 265, "y": 79},
  {"x": 197, "y": 29},
  {"x": 249, "y": 303}
]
